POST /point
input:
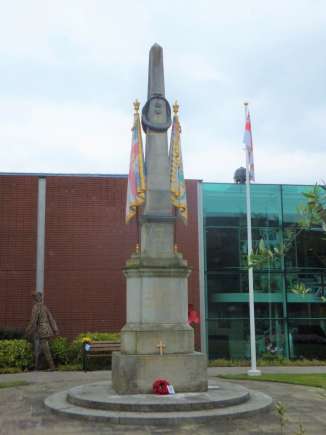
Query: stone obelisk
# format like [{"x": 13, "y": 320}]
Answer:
[{"x": 156, "y": 341}]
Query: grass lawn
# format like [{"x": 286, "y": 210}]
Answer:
[
  {"x": 311, "y": 380},
  {"x": 12, "y": 384},
  {"x": 263, "y": 362}
]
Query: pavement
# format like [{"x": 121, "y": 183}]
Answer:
[{"x": 22, "y": 410}]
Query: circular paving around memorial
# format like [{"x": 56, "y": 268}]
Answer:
[{"x": 98, "y": 401}]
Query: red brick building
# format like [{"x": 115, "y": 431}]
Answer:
[{"x": 85, "y": 243}]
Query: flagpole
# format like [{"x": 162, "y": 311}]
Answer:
[
  {"x": 253, "y": 370},
  {"x": 138, "y": 235}
]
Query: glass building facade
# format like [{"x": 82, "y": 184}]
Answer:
[{"x": 287, "y": 324}]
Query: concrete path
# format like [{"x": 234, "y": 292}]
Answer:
[{"x": 22, "y": 410}]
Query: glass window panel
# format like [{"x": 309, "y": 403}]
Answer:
[
  {"x": 272, "y": 238},
  {"x": 266, "y": 205},
  {"x": 227, "y": 203},
  {"x": 231, "y": 308},
  {"x": 306, "y": 309},
  {"x": 266, "y": 309},
  {"x": 311, "y": 249},
  {"x": 228, "y": 309},
  {"x": 291, "y": 257},
  {"x": 292, "y": 198},
  {"x": 312, "y": 280},
  {"x": 307, "y": 338},
  {"x": 308, "y": 249},
  {"x": 230, "y": 338},
  {"x": 264, "y": 282},
  {"x": 224, "y": 283},
  {"x": 220, "y": 221},
  {"x": 222, "y": 248},
  {"x": 270, "y": 337}
]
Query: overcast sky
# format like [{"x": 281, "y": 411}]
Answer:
[{"x": 71, "y": 69}]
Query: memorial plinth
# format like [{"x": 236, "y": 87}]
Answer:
[{"x": 156, "y": 341}]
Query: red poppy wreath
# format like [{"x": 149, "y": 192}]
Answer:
[{"x": 160, "y": 386}]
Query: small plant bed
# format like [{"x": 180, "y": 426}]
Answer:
[
  {"x": 69, "y": 367},
  {"x": 12, "y": 384},
  {"x": 309, "y": 380},
  {"x": 10, "y": 370}
]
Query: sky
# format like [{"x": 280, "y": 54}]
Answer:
[{"x": 71, "y": 69}]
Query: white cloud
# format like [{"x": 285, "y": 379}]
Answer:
[
  {"x": 69, "y": 72},
  {"x": 46, "y": 137}
]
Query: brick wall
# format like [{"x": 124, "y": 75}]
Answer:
[
  {"x": 18, "y": 226},
  {"x": 87, "y": 244}
]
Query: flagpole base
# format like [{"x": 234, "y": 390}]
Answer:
[{"x": 254, "y": 372}]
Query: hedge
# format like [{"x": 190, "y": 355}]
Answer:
[
  {"x": 17, "y": 354},
  {"x": 8, "y": 333}
]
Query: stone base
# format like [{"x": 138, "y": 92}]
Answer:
[
  {"x": 135, "y": 374},
  {"x": 98, "y": 402}
]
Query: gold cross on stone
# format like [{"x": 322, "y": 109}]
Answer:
[{"x": 161, "y": 346}]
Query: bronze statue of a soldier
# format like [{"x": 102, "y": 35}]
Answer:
[{"x": 41, "y": 328}]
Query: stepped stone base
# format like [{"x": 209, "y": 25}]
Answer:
[
  {"x": 135, "y": 374},
  {"x": 99, "y": 402}
]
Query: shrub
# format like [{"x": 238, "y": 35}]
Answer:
[
  {"x": 273, "y": 360},
  {"x": 98, "y": 336},
  {"x": 221, "y": 362},
  {"x": 61, "y": 350},
  {"x": 15, "y": 353},
  {"x": 9, "y": 370},
  {"x": 8, "y": 333}
]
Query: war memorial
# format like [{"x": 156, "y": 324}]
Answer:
[{"x": 157, "y": 342}]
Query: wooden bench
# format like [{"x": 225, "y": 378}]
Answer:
[{"x": 99, "y": 349}]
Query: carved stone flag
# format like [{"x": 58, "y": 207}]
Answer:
[
  {"x": 136, "y": 177},
  {"x": 177, "y": 181}
]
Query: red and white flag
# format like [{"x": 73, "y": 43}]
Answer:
[{"x": 247, "y": 140}]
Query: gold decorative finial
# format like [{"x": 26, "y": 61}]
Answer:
[
  {"x": 176, "y": 107},
  {"x": 136, "y": 105}
]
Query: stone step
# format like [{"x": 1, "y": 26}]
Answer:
[
  {"x": 257, "y": 402},
  {"x": 100, "y": 395}
]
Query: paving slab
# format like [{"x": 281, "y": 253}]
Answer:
[{"x": 22, "y": 410}]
